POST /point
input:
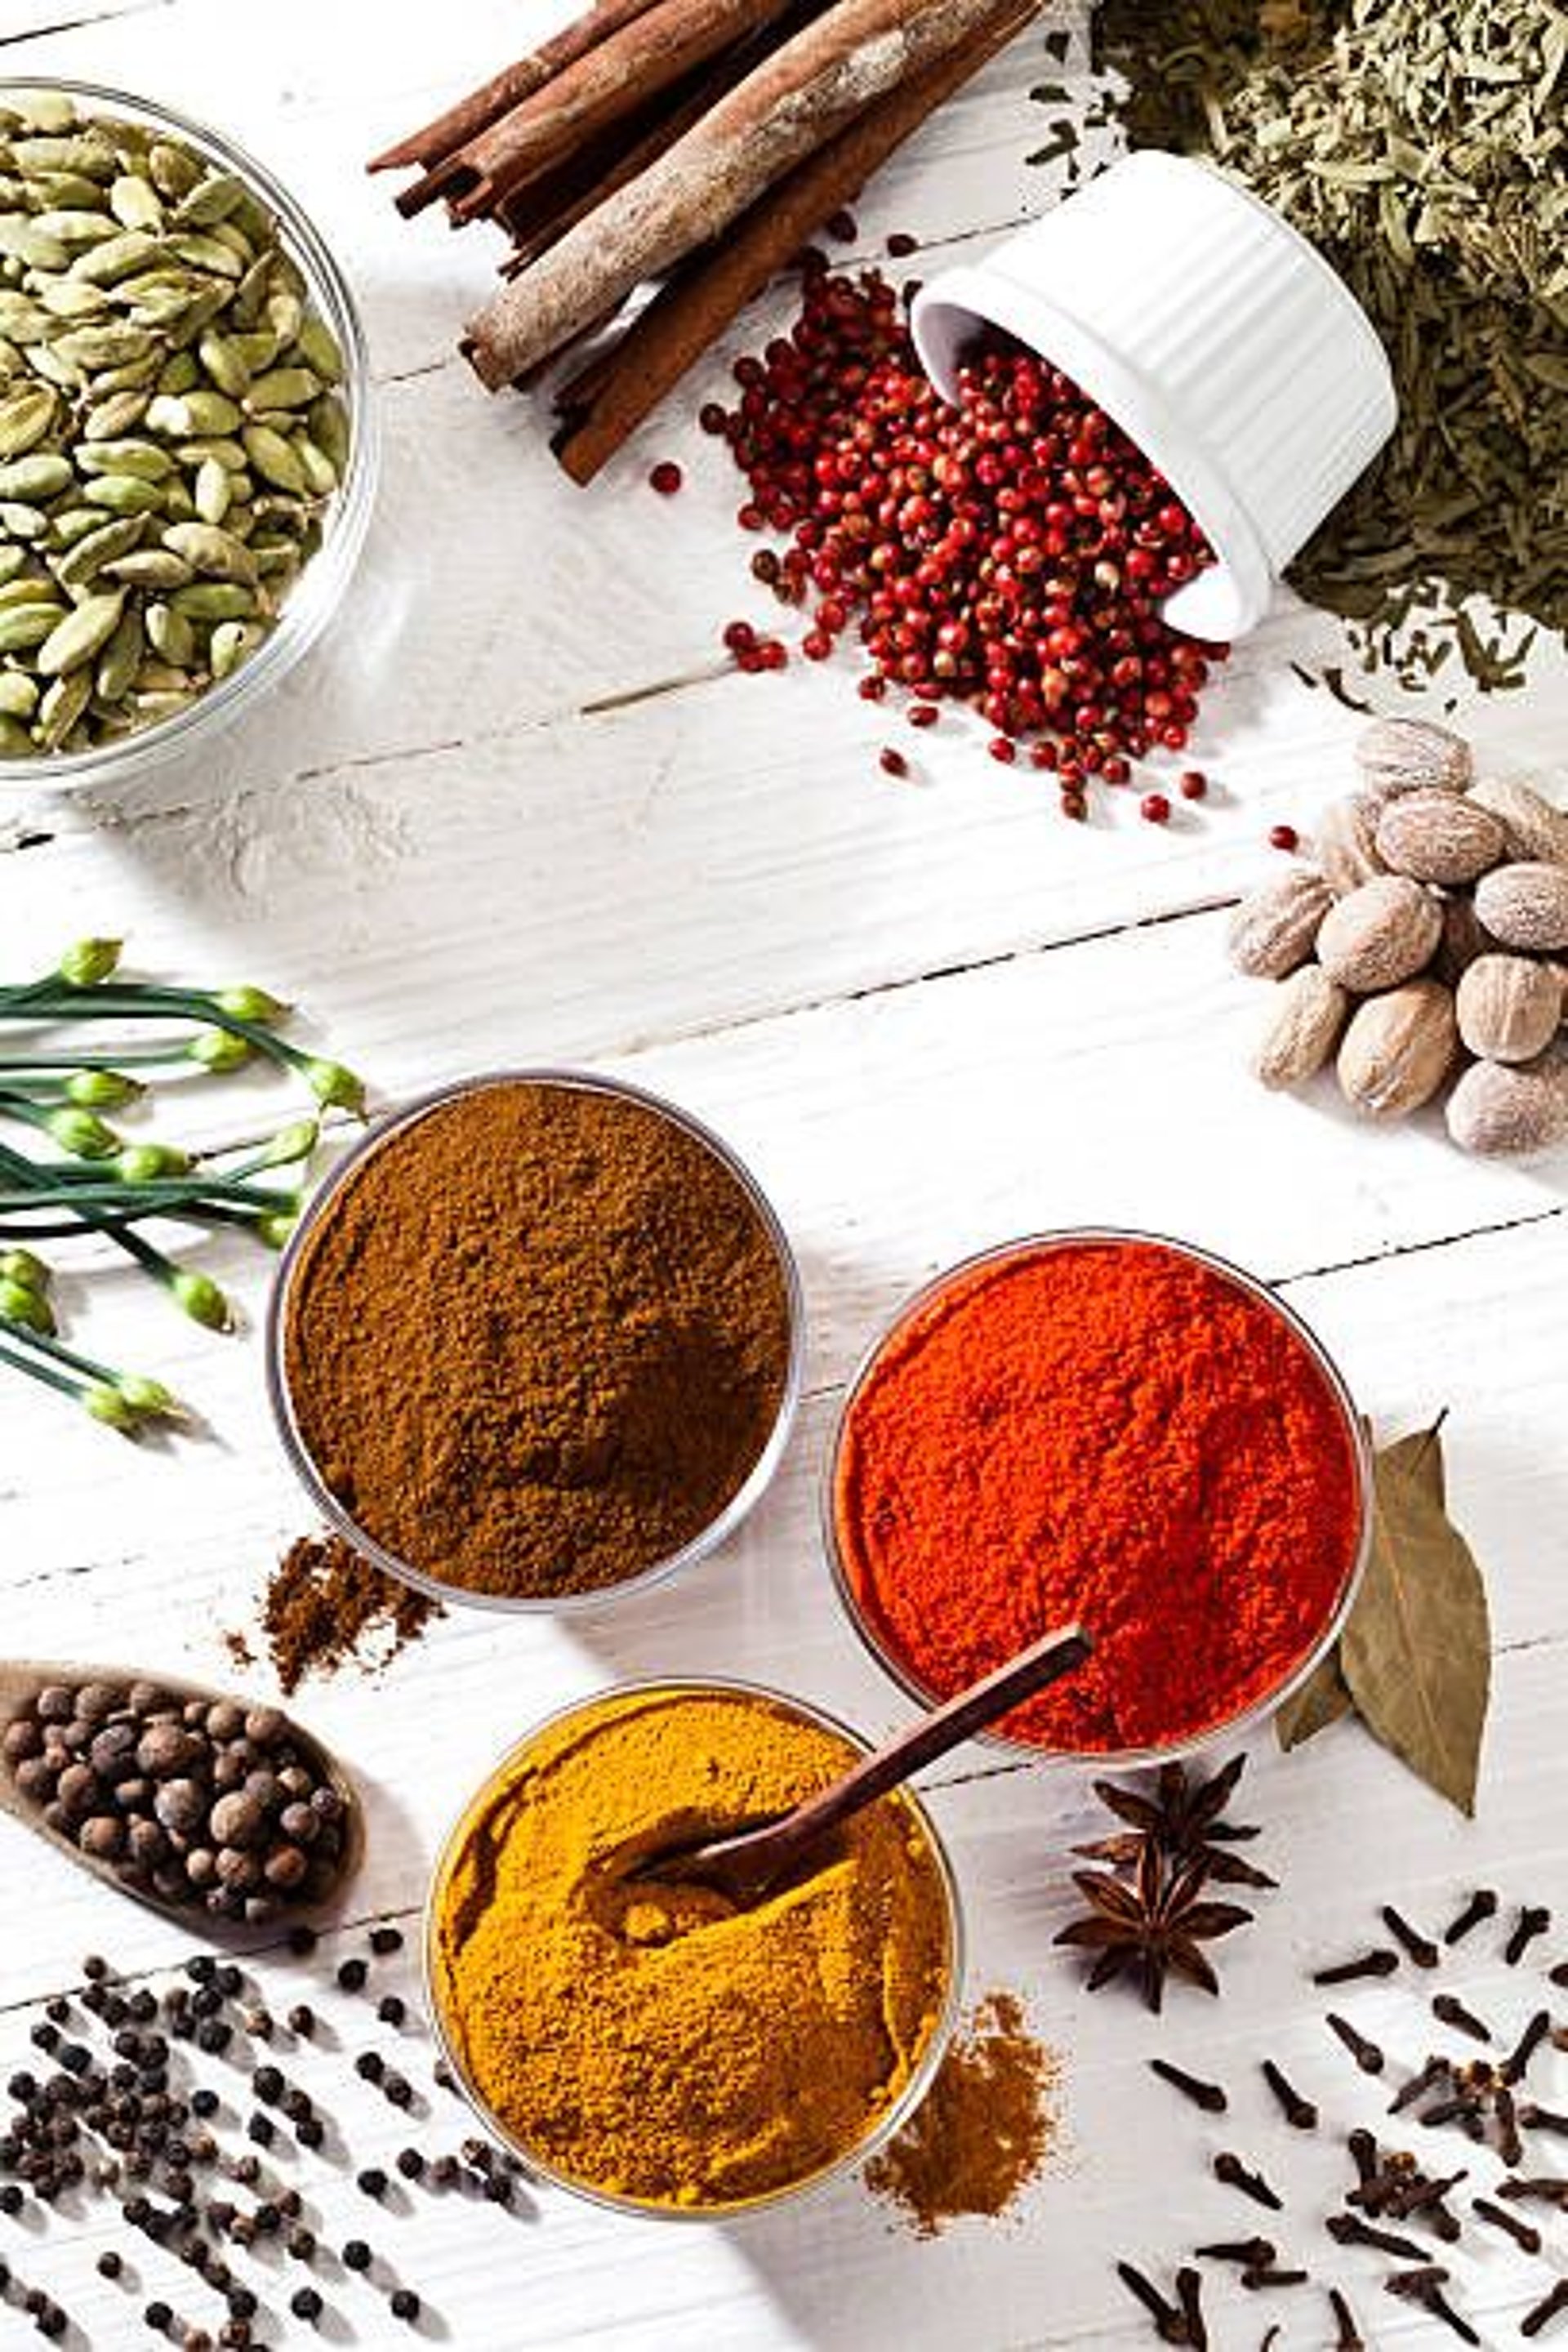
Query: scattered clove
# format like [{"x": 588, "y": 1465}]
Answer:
[
  {"x": 1170, "y": 2322},
  {"x": 1482, "y": 1905},
  {"x": 1190, "y": 2294},
  {"x": 1230, "y": 2168},
  {"x": 1533, "y": 1920},
  {"x": 1269, "y": 2277},
  {"x": 1348, "y": 2338},
  {"x": 1552, "y": 2304},
  {"x": 1380, "y": 1963},
  {"x": 1523, "y": 2233},
  {"x": 1538, "y": 2118},
  {"x": 1365, "y": 2052},
  {"x": 1525, "y": 2048},
  {"x": 1425, "y": 2287},
  {"x": 1298, "y": 2112},
  {"x": 1250, "y": 2253},
  {"x": 1509, "y": 2148},
  {"x": 1543, "y": 2189},
  {"x": 1429, "y": 2076},
  {"x": 1209, "y": 2097},
  {"x": 1450, "y": 2010},
  {"x": 1350, "y": 2230},
  {"x": 1419, "y": 1947}
]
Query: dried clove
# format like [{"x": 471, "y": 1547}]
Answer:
[
  {"x": 1523, "y": 2233},
  {"x": 1559, "y": 1974},
  {"x": 1268, "y": 2276},
  {"x": 1525, "y": 2048},
  {"x": 1543, "y": 2189},
  {"x": 1250, "y": 2253},
  {"x": 1552, "y": 2304},
  {"x": 1209, "y": 2097},
  {"x": 1482, "y": 1905},
  {"x": 1350, "y": 2230},
  {"x": 1190, "y": 2294},
  {"x": 1429, "y": 2076},
  {"x": 1365, "y": 2052},
  {"x": 1170, "y": 2323},
  {"x": 1230, "y": 2168},
  {"x": 1538, "y": 2118},
  {"x": 1509, "y": 2148},
  {"x": 1464, "y": 2107},
  {"x": 1348, "y": 2338},
  {"x": 1419, "y": 1947},
  {"x": 1299, "y": 2112},
  {"x": 1450, "y": 2010},
  {"x": 1425, "y": 2286},
  {"x": 1380, "y": 1963},
  {"x": 1533, "y": 1920}
]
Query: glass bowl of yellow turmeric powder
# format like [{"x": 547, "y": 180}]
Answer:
[{"x": 646, "y": 2044}]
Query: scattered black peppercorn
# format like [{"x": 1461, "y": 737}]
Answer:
[
  {"x": 110, "y": 2264},
  {"x": 404, "y": 2303},
  {"x": 383, "y": 1940},
  {"x": 410, "y": 2163},
  {"x": 370, "y": 2065},
  {"x": 356, "y": 2255},
  {"x": 397, "y": 2091},
  {"x": 306, "y": 2303},
  {"x": 372, "y": 2181},
  {"x": 391, "y": 2010},
  {"x": 157, "y": 2316},
  {"x": 351, "y": 1975},
  {"x": 302, "y": 2021},
  {"x": 302, "y": 1941}
]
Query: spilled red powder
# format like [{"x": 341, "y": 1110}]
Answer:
[{"x": 1110, "y": 1431}]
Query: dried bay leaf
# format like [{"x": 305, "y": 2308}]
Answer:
[
  {"x": 1322, "y": 1699},
  {"x": 1417, "y": 1650}
]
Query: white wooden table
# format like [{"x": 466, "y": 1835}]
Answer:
[{"x": 518, "y": 809}]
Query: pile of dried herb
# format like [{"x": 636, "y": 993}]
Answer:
[{"x": 1423, "y": 146}]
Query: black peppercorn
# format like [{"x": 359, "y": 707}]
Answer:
[
  {"x": 242, "y": 2303},
  {"x": 410, "y": 2163},
  {"x": 311, "y": 2131},
  {"x": 262, "y": 2130},
  {"x": 386, "y": 1939},
  {"x": 372, "y": 2181},
  {"x": 214, "y": 2037},
  {"x": 357, "y": 2255},
  {"x": 404, "y": 2303},
  {"x": 400, "y": 2093},
  {"x": 351, "y": 1975},
  {"x": 302, "y": 2021},
  {"x": 157, "y": 2316},
  {"x": 305, "y": 2303},
  {"x": 204, "y": 2103},
  {"x": 391, "y": 2010},
  {"x": 302, "y": 1941},
  {"x": 110, "y": 2265},
  {"x": 370, "y": 2065}
]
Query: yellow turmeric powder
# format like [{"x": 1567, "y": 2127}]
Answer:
[{"x": 653, "y": 2041}]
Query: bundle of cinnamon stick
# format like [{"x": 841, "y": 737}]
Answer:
[{"x": 697, "y": 143}]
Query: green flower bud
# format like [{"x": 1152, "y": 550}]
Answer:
[
  {"x": 275, "y": 1228},
  {"x": 292, "y": 1143},
  {"x": 248, "y": 1003},
  {"x": 82, "y": 1134},
  {"x": 219, "y": 1050},
  {"x": 101, "y": 1090},
  {"x": 150, "y": 1399},
  {"x": 201, "y": 1299},
  {"x": 142, "y": 1163},
  {"x": 21, "y": 1304},
  {"x": 88, "y": 962},
  {"x": 30, "y": 1273},
  {"x": 107, "y": 1405},
  {"x": 331, "y": 1083}
]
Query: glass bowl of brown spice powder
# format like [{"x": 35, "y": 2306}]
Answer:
[
  {"x": 536, "y": 1343},
  {"x": 643, "y": 2044}
]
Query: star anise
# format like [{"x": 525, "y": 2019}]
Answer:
[
  {"x": 1153, "y": 1926},
  {"x": 1185, "y": 1819}
]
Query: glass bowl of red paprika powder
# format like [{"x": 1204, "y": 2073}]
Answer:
[
  {"x": 1112, "y": 1427},
  {"x": 536, "y": 1343}
]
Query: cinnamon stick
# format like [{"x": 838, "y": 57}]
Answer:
[
  {"x": 449, "y": 131},
  {"x": 852, "y": 56},
  {"x": 617, "y": 76},
  {"x": 613, "y": 398}
]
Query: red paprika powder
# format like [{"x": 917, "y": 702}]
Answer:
[{"x": 1110, "y": 1429}]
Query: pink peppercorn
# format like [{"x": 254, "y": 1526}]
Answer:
[
  {"x": 1154, "y": 809},
  {"x": 1284, "y": 836},
  {"x": 1002, "y": 748},
  {"x": 665, "y": 477},
  {"x": 893, "y": 763},
  {"x": 1194, "y": 784}
]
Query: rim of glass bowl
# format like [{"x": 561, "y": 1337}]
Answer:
[
  {"x": 316, "y": 594},
  {"x": 707, "y": 1540},
  {"x": 897, "y": 2115},
  {"x": 1108, "y": 1759}
]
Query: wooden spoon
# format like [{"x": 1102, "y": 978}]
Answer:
[
  {"x": 744, "y": 1865},
  {"x": 22, "y": 1679}
]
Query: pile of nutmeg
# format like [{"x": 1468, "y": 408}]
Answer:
[{"x": 1423, "y": 943}]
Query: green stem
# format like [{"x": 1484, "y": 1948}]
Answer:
[
  {"x": 27, "y": 1337},
  {"x": 167, "y": 1196},
  {"x": 137, "y": 1059},
  {"x": 51, "y": 1380},
  {"x": 151, "y": 1260}
]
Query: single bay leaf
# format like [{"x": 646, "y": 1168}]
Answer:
[
  {"x": 1323, "y": 1698},
  {"x": 1417, "y": 1650}
]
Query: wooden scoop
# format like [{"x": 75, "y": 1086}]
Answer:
[
  {"x": 746, "y": 1863},
  {"x": 21, "y": 1681}
]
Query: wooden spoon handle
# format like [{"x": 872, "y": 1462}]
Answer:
[{"x": 1045, "y": 1661}]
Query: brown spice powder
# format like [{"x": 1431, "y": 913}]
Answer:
[
  {"x": 984, "y": 2130},
  {"x": 537, "y": 1339},
  {"x": 324, "y": 1604}
]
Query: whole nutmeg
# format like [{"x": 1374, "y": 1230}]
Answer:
[
  {"x": 1532, "y": 828},
  {"x": 1465, "y": 937},
  {"x": 238, "y": 1819},
  {"x": 1502, "y": 1111},
  {"x": 1381, "y": 934},
  {"x": 1526, "y": 906},
  {"x": 1398, "y": 1049},
  {"x": 1308, "y": 1013},
  {"x": 1438, "y": 837},
  {"x": 1411, "y": 755},
  {"x": 1509, "y": 1007},
  {"x": 1272, "y": 931},
  {"x": 1344, "y": 842}
]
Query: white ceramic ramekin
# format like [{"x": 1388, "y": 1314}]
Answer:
[{"x": 1215, "y": 335}]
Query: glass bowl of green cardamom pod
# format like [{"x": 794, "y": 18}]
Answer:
[{"x": 187, "y": 447}]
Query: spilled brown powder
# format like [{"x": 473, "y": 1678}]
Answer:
[
  {"x": 326, "y": 1607},
  {"x": 984, "y": 2130}
]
